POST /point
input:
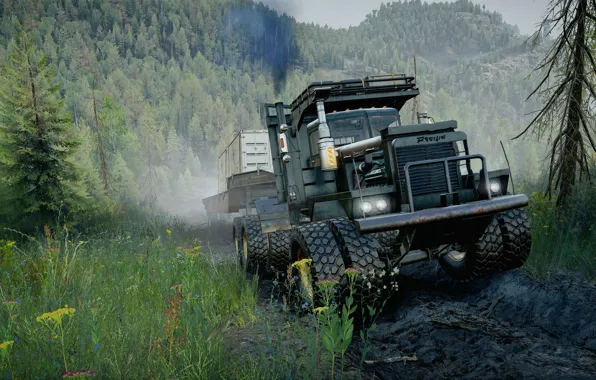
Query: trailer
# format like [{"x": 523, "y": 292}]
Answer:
[{"x": 245, "y": 175}]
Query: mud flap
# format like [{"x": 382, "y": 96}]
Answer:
[{"x": 273, "y": 216}]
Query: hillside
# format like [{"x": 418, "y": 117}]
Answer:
[{"x": 186, "y": 75}]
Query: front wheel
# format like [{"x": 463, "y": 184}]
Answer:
[
  {"x": 517, "y": 237},
  {"x": 485, "y": 256}
]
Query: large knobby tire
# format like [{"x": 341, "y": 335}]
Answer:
[
  {"x": 390, "y": 243},
  {"x": 361, "y": 252},
  {"x": 477, "y": 259},
  {"x": 517, "y": 237},
  {"x": 316, "y": 241},
  {"x": 237, "y": 236},
  {"x": 254, "y": 243},
  {"x": 278, "y": 252}
]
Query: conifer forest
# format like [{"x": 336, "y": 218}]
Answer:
[{"x": 113, "y": 114}]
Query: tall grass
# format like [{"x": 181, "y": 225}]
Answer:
[
  {"x": 148, "y": 301},
  {"x": 563, "y": 238},
  {"x": 139, "y": 308}
]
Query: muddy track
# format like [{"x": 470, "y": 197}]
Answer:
[{"x": 505, "y": 327}]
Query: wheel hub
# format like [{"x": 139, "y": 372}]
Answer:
[{"x": 457, "y": 252}]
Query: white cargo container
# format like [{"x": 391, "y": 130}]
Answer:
[{"x": 249, "y": 151}]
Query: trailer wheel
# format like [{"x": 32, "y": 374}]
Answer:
[
  {"x": 517, "y": 237},
  {"x": 362, "y": 252},
  {"x": 314, "y": 241},
  {"x": 237, "y": 236},
  {"x": 254, "y": 245},
  {"x": 478, "y": 259},
  {"x": 278, "y": 252}
]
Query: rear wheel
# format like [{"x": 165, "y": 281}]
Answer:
[
  {"x": 254, "y": 245},
  {"x": 517, "y": 237},
  {"x": 278, "y": 252},
  {"x": 469, "y": 261},
  {"x": 314, "y": 241}
]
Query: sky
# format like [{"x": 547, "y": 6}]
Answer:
[{"x": 344, "y": 13}]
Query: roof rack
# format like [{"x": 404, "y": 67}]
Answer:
[{"x": 372, "y": 91}]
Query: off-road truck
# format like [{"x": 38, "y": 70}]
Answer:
[{"x": 357, "y": 187}]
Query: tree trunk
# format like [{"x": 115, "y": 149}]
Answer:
[
  {"x": 102, "y": 158},
  {"x": 570, "y": 155}
]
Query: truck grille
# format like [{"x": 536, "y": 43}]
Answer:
[{"x": 428, "y": 179}]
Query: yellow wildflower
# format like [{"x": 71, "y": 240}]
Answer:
[
  {"x": 6, "y": 345},
  {"x": 302, "y": 264},
  {"x": 302, "y": 267},
  {"x": 169, "y": 232},
  {"x": 321, "y": 309},
  {"x": 56, "y": 315}
]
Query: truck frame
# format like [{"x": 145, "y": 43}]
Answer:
[{"x": 354, "y": 187}]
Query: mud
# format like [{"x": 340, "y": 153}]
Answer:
[
  {"x": 508, "y": 326},
  {"x": 505, "y": 327}
]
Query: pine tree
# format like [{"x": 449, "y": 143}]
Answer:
[
  {"x": 567, "y": 115},
  {"x": 36, "y": 140},
  {"x": 151, "y": 142}
]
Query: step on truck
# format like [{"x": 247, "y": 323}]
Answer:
[{"x": 353, "y": 186}]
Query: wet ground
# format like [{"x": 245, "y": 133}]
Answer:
[{"x": 506, "y": 327}]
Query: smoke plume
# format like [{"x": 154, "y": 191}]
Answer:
[{"x": 271, "y": 39}]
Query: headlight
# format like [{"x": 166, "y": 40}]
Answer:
[
  {"x": 366, "y": 207},
  {"x": 495, "y": 187},
  {"x": 381, "y": 205}
]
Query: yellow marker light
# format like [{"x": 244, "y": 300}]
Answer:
[{"x": 331, "y": 157}]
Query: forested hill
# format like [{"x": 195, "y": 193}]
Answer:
[
  {"x": 173, "y": 80},
  {"x": 448, "y": 32}
]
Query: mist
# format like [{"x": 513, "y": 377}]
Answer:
[{"x": 526, "y": 14}]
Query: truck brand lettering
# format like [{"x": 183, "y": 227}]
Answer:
[{"x": 436, "y": 138}]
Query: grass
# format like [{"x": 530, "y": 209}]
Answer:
[
  {"x": 122, "y": 307},
  {"x": 563, "y": 239},
  {"x": 150, "y": 303}
]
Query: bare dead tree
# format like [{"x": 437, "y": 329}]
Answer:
[
  {"x": 566, "y": 117},
  {"x": 89, "y": 65}
]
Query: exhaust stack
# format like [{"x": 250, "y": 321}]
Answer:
[{"x": 326, "y": 142}]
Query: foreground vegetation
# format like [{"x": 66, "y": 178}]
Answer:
[
  {"x": 151, "y": 301},
  {"x": 565, "y": 238}
]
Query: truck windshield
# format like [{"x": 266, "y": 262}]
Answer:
[
  {"x": 380, "y": 122},
  {"x": 352, "y": 126},
  {"x": 347, "y": 131}
]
